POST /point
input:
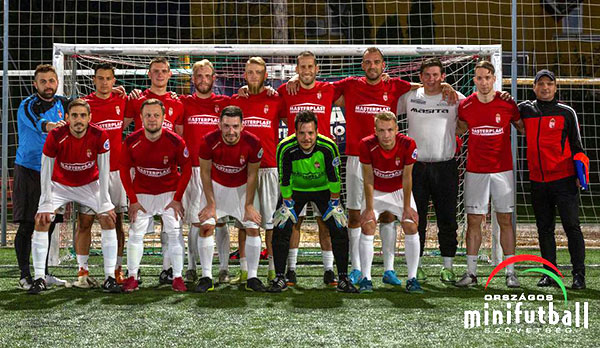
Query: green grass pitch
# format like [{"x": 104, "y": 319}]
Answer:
[{"x": 308, "y": 315}]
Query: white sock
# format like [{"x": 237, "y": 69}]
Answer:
[
  {"x": 366, "y": 254},
  {"x": 327, "y": 260},
  {"x": 222, "y": 239},
  {"x": 39, "y": 250},
  {"x": 135, "y": 251},
  {"x": 164, "y": 241},
  {"x": 472, "y": 264},
  {"x": 119, "y": 261},
  {"x": 176, "y": 252},
  {"x": 510, "y": 268},
  {"x": 243, "y": 264},
  {"x": 412, "y": 246},
  {"x": 206, "y": 249},
  {"x": 193, "y": 247},
  {"x": 109, "y": 252},
  {"x": 292, "y": 259},
  {"x": 354, "y": 239},
  {"x": 271, "y": 263},
  {"x": 448, "y": 261},
  {"x": 388, "y": 234},
  {"x": 82, "y": 261},
  {"x": 252, "y": 255}
]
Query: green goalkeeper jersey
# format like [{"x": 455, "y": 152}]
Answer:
[{"x": 317, "y": 170}]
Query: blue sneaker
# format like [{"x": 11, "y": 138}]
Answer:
[
  {"x": 413, "y": 286},
  {"x": 355, "y": 276},
  {"x": 390, "y": 277},
  {"x": 366, "y": 286}
]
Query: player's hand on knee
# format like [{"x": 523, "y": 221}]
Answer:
[
  {"x": 133, "y": 210},
  {"x": 410, "y": 215},
  {"x": 285, "y": 212},
  {"x": 111, "y": 215},
  {"x": 43, "y": 218},
  {"x": 367, "y": 216},
  {"x": 251, "y": 214},
  {"x": 177, "y": 209},
  {"x": 336, "y": 211},
  {"x": 207, "y": 213}
]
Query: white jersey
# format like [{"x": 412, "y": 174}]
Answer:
[{"x": 431, "y": 123}]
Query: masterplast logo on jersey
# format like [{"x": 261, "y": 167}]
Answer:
[{"x": 528, "y": 313}]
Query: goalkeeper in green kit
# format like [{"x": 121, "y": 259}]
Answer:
[{"x": 308, "y": 166}]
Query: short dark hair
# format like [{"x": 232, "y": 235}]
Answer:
[
  {"x": 163, "y": 60},
  {"x": 44, "y": 68},
  {"x": 486, "y": 65},
  {"x": 153, "y": 101},
  {"x": 305, "y": 116},
  {"x": 373, "y": 50},
  {"x": 79, "y": 102},
  {"x": 231, "y": 111},
  {"x": 104, "y": 66},
  {"x": 306, "y": 54},
  {"x": 428, "y": 63}
]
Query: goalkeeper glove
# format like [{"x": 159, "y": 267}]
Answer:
[
  {"x": 582, "y": 167},
  {"x": 335, "y": 209},
  {"x": 285, "y": 212}
]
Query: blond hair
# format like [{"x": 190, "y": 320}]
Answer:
[{"x": 201, "y": 64}]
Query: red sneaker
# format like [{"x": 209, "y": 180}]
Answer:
[
  {"x": 130, "y": 284},
  {"x": 179, "y": 285}
]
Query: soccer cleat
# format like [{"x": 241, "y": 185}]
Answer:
[
  {"x": 546, "y": 281},
  {"x": 277, "y": 285},
  {"x": 355, "y": 276},
  {"x": 119, "y": 277},
  {"x": 512, "y": 281},
  {"x": 52, "y": 280},
  {"x": 447, "y": 275},
  {"x": 38, "y": 286},
  {"x": 421, "y": 276},
  {"x": 205, "y": 284},
  {"x": 290, "y": 277},
  {"x": 578, "y": 281},
  {"x": 84, "y": 281},
  {"x": 264, "y": 254},
  {"x": 390, "y": 277},
  {"x": 271, "y": 275},
  {"x": 110, "y": 285},
  {"x": 223, "y": 276},
  {"x": 234, "y": 255},
  {"x": 139, "y": 276},
  {"x": 466, "y": 280},
  {"x": 366, "y": 286},
  {"x": 329, "y": 278},
  {"x": 254, "y": 284},
  {"x": 25, "y": 283},
  {"x": 165, "y": 276},
  {"x": 178, "y": 285},
  {"x": 241, "y": 278},
  {"x": 413, "y": 286},
  {"x": 130, "y": 284},
  {"x": 191, "y": 276},
  {"x": 345, "y": 285}
]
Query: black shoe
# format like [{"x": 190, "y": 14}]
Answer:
[
  {"x": 254, "y": 284},
  {"x": 546, "y": 281},
  {"x": 578, "y": 282},
  {"x": 290, "y": 277},
  {"x": 205, "y": 284},
  {"x": 110, "y": 285},
  {"x": 329, "y": 278},
  {"x": 345, "y": 285},
  {"x": 277, "y": 285},
  {"x": 166, "y": 277},
  {"x": 38, "y": 286}
]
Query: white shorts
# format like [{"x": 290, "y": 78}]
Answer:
[
  {"x": 392, "y": 202},
  {"x": 86, "y": 195},
  {"x": 191, "y": 197},
  {"x": 479, "y": 186},
  {"x": 117, "y": 194},
  {"x": 268, "y": 194},
  {"x": 155, "y": 205},
  {"x": 315, "y": 210},
  {"x": 354, "y": 184},
  {"x": 230, "y": 201}
]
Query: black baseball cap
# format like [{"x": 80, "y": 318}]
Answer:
[{"x": 544, "y": 72}]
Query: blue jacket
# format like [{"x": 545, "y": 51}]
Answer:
[{"x": 32, "y": 116}]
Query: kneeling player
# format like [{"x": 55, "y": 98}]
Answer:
[
  {"x": 75, "y": 168},
  {"x": 387, "y": 159}
]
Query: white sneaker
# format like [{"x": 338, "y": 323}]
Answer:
[
  {"x": 466, "y": 280},
  {"x": 53, "y": 280},
  {"x": 25, "y": 283},
  {"x": 512, "y": 281},
  {"x": 84, "y": 281}
]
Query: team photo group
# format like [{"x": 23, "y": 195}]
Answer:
[{"x": 211, "y": 160}]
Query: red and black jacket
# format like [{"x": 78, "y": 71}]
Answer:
[{"x": 553, "y": 138}]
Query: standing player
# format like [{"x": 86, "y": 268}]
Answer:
[
  {"x": 553, "y": 145},
  {"x": 309, "y": 172},
  {"x": 75, "y": 168},
  {"x": 154, "y": 153},
  {"x": 432, "y": 125},
  {"x": 387, "y": 159},
  {"x": 201, "y": 112},
  {"x": 229, "y": 161},
  {"x": 489, "y": 168},
  {"x": 261, "y": 118}
]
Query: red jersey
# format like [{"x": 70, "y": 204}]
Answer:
[
  {"x": 261, "y": 118},
  {"x": 155, "y": 164},
  {"x": 230, "y": 162},
  {"x": 388, "y": 165},
  {"x": 317, "y": 99},
  {"x": 363, "y": 101},
  {"x": 173, "y": 109},
  {"x": 200, "y": 116},
  {"x": 489, "y": 133},
  {"x": 75, "y": 159},
  {"x": 108, "y": 115}
]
